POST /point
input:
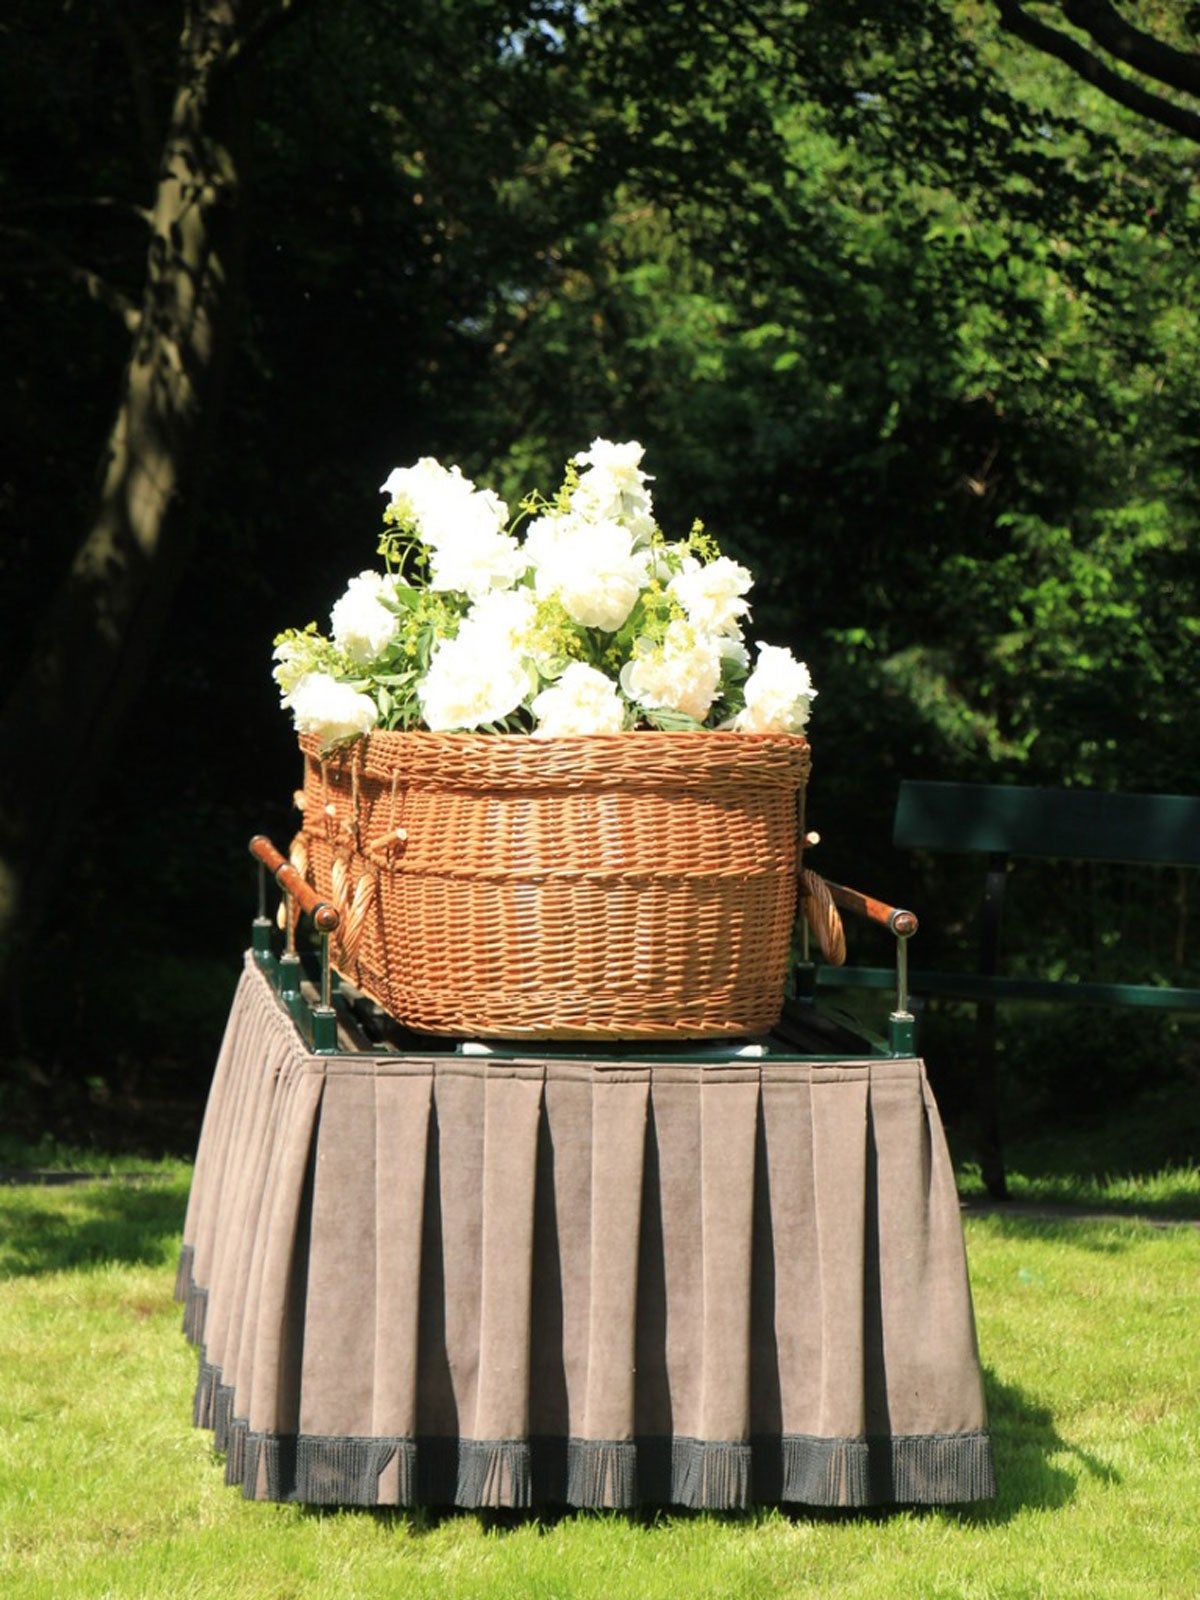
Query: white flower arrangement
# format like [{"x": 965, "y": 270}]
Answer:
[{"x": 593, "y": 622}]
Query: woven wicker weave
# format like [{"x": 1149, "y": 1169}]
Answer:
[{"x": 637, "y": 885}]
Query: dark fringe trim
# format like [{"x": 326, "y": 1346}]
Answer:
[
  {"x": 719, "y": 1475},
  {"x": 255, "y": 1456},
  {"x": 235, "y": 1448},
  {"x": 206, "y": 1388},
  {"x": 274, "y": 1461},
  {"x": 826, "y": 1472},
  {"x": 938, "y": 1470},
  {"x": 195, "y": 1314},
  {"x": 600, "y": 1473},
  {"x": 493, "y": 1472},
  {"x": 710, "y": 1473},
  {"x": 331, "y": 1472},
  {"x": 222, "y": 1415},
  {"x": 921, "y": 1469}
]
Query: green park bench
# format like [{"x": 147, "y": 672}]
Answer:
[{"x": 1000, "y": 822}]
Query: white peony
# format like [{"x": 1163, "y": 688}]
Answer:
[
  {"x": 592, "y": 567},
  {"x": 360, "y": 623},
  {"x": 681, "y": 674},
  {"x": 463, "y": 526},
  {"x": 712, "y": 595},
  {"x": 779, "y": 694},
  {"x": 475, "y": 560},
  {"x": 583, "y": 700},
  {"x": 332, "y": 710},
  {"x": 733, "y": 648},
  {"x": 501, "y": 620},
  {"x": 415, "y": 491},
  {"x": 613, "y": 488},
  {"x": 467, "y": 687},
  {"x": 439, "y": 501},
  {"x": 291, "y": 658}
]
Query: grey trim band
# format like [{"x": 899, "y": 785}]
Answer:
[{"x": 718, "y": 1475}]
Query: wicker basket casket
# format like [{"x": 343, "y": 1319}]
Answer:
[{"x": 631, "y": 885}]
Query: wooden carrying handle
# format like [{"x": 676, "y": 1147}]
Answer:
[
  {"x": 902, "y": 923},
  {"x": 324, "y": 916}
]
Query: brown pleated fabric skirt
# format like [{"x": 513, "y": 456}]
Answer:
[{"x": 467, "y": 1281}]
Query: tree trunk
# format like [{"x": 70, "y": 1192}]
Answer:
[{"x": 58, "y": 727}]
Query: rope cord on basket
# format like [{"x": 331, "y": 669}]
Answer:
[
  {"x": 352, "y": 903},
  {"x": 823, "y": 917}
]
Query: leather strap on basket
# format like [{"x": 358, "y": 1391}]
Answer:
[{"x": 823, "y": 917}]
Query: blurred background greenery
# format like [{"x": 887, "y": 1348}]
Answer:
[{"x": 897, "y": 303}]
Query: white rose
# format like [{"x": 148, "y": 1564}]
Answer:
[
  {"x": 591, "y": 567},
  {"x": 613, "y": 488},
  {"x": 779, "y": 694},
  {"x": 332, "y": 710},
  {"x": 583, "y": 700},
  {"x": 712, "y": 595},
  {"x": 361, "y": 624},
  {"x": 468, "y": 688},
  {"x": 681, "y": 674}
]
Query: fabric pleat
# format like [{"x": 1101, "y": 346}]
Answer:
[
  {"x": 494, "y": 1470},
  {"x": 458, "y": 1280},
  {"x": 402, "y": 1103},
  {"x": 618, "y": 1132}
]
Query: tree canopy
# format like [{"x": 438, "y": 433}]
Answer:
[{"x": 901, "y": 305}]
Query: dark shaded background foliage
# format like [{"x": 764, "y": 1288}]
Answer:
[{"x": 905, "y": 313}]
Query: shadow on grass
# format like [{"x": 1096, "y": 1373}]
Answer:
[
  {"x": 130, "y": 1223},
  {"x": 1036, "y": 1468},
  {"x": 1099, "y": 1233},
  {"x": 1139, "y": 1161}
]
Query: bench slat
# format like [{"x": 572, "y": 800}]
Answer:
[
  {"x": 972, "y": 986},
  {"x": 1076, "y": 824}
]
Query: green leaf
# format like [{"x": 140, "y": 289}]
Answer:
[{"x": 668, "y": 721}]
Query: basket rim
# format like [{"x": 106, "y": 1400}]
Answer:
[
  {"x": 634, "y": 758},
  {"x": 729, "y": 737}
]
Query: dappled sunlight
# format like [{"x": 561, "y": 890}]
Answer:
[{"x": 94, "y": 1224}]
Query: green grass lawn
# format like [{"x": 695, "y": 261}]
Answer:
[{"x": 1089, "y": 1334}]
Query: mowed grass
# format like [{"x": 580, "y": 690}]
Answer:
[{"x": 1089, "y": 1334}]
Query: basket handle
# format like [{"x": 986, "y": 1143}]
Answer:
[
  {"x": 821, "y": 914},
  {"x": 325, "y": 917}
]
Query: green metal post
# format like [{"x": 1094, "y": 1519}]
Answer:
[
  {"x": 901, "y": 1033},
  {"x": 901, "y": 1023},
  {"x": 291, "y": 972},
  {"x": 324, "y": 1017},
  {"x": 289, "y": 961},
  {"x": 289, "y": 975},
  {"x": 324, "y": 1030},
  {"x": 260, "y": 934}
]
